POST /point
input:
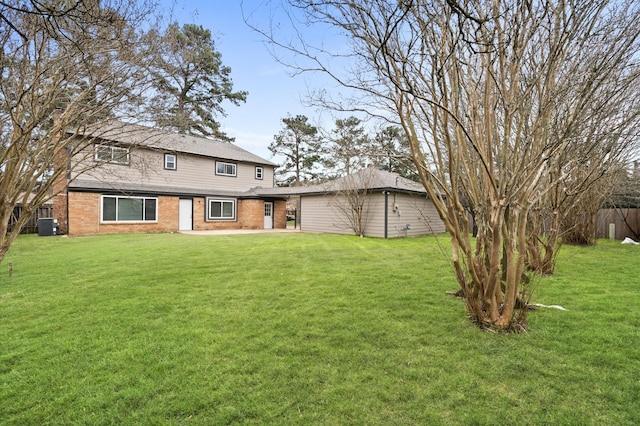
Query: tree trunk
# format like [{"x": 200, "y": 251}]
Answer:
[{"x": 543, "y": 244}]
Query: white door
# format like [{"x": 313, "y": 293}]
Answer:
[
  {"x": 268, "y": 215},
  {"x": 185, "y": 221}
]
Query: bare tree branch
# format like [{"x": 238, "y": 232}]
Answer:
[{"x": 513, "y": 112}]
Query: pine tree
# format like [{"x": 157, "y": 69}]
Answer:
[{"x": 190, "y": 82}]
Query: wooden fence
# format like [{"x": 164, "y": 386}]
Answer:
[
  {"x": 625, "y": 223},
  {"x": 32, "y": 225}
]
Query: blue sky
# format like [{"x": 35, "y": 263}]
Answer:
[{"x": 273, "y": 93}]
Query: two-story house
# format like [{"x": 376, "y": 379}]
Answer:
[{"x": 140, "y": 179}]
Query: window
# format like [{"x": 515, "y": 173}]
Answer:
[
  {"x": 222, "y": 209},
  {"x": 225, "y": 169},
  {"x": 259, "y": 172},
  {"x": 112, "y": 154},
  {"x": 129, "y": 209},
  {"x": 170, "y": 162}
]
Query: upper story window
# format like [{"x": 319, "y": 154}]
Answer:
[
  {"x": 225, "y": 169},
  {"x": 170, "y": 162},
  {"x": 259, "y": 173},
  {"x": 112, "y": 154}
]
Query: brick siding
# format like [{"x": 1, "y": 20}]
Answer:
[
  {"x": 280, "y": 214},
  {"x": 84, "y": 216},
  {"x": 251, "y": 214}
]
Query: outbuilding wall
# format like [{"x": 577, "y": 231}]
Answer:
[{"x": 326, "y": 213}]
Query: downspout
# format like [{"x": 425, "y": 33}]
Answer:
[
  {"x": 386, "y": 213},
  {"x": 66, "y": 192},
  {"x": 66, "y": 219}
]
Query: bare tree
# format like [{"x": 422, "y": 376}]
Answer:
[
  {"x": 67, "y": 69},
  {"x": 501, "y": 102},
  {"x": 351, "y": 200},
  {"x": 582, "y": 175}
]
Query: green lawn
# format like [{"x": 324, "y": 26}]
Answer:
[{"x": 304, "y": 329}]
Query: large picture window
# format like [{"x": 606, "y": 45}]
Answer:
[
  {"x": 129, "y": 209},
  {"x": 112, "y": 154},
  {"x": 221, "y": 209},
  {"x": 225, "y": 169}
]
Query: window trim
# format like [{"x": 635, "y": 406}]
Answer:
[
  {"x": 119, "y": 197},
  {"x": 114, "y": 159},
  {"x": 234, "y": 205},
  {"x": 175, "y": 161},
  {"x": 225, "y": 163},
  {"x": 259, "y": 173}
]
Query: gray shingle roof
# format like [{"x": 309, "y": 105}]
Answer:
[
  {"x": 128, "y": 187},
  {"x": 372, "y": 179},
  {"x": 135, "y": 134}
]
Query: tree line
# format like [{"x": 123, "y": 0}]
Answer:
[{"x": 312, "y": 154}]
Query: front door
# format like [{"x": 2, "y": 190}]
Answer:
[
  {"x": 185, "y": 221},
  {"x": 268, "y": 215}
]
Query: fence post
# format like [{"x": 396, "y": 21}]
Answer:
[{"x": 612, "y": 231}]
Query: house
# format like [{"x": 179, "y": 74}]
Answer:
[
  {"x": 371, "y": 202},
  {"x": 132, "y": 178}
]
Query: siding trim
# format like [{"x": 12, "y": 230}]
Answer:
[{"x": 386, "y": 214}]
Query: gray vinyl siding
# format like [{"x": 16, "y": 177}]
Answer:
[
  {"x": 319, "y": 213},
  {"x": 417, "y": 212},
  {"x": 374, "y": 215},
  {"x": 192, "y": 171}
]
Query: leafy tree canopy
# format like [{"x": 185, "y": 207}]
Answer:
[
  {"x": 348, "y": 147},
  {"x": 190, "y": 81},
  {"x": 299, "y": 143},
  {"x": 391, "y": 152}
]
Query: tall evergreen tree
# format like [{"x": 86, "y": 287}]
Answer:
[
  {"x": 348, "y": 147},
  {"x": 190, "y": 82},
  {"x": 391, "y": 152},
  {"x": 299, "y": 143}
]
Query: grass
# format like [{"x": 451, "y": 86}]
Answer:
[{"x": 304, "y": 329}]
